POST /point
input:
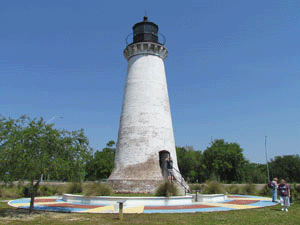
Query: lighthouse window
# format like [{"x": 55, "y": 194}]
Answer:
[
  {"x": 139, "y": 29},
  {"x": 150, "y": 29}
]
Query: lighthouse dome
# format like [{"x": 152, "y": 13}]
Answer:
[{"x": 145, "y": 31}]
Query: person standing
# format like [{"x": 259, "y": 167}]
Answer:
[
  {"x": 274, "y": 189},
  {"x": 170, "y": 167},
  {"x": 284, "y": 193}
]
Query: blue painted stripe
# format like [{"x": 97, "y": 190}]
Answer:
[
  {"x": 54, "y": 208},
  {"x": 249, "y": 196},
  {"x": 263, "y": 203},
  {"x": 20, "y": 201}
]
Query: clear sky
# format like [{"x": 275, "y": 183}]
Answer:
[{"x": 233, "y": 68}]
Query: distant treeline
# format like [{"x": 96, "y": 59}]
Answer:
[
  {"x": 221, "y": 161},
  {"x": 33, "y": 150}
]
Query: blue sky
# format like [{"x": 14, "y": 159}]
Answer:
[{"x": 233, "y": 68}]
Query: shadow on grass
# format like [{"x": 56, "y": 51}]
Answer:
[
  {"x": 274, "y": 209},
  {"x": 17, "y": 213}
]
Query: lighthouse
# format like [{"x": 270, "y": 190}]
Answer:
[{"x": 145, "y": 138}]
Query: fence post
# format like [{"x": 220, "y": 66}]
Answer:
[
  {"x": 121, "y": 202},
  {"x": 197, "y": 195}
]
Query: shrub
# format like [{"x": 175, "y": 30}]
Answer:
[
  {"x": 10, "y": 192},
  {"x": 233, "y": 189},
  {"x": 295, "y": 191},
  {"x": 74, "y": 188},
  {"x": 26, "y": 190},
  {"x": 195, "y": 187},
  {"x": 213, "y": 187},
  {"x": 249, "y": 189},
  {"x": 166, "y": 189},
  {"x": 97, "y": 189},
  {"x": 296, "y": 187},
  {"x": 266, "y": 191},
  {"x": 47, "y": 190}
]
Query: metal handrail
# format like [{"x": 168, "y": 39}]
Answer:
[{"x": 182, "y": 180}]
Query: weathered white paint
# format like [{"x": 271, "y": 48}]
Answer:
[
  {"x": 129, "y": 201},
  {"x": 146, "y": 123},
  {"x": 210, "y": 197}
]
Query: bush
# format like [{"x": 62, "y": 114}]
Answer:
[
  {"x": 266, "y": 191},
  {"x": 74, "y": 188},
  {"x": 10, "y": 192},
  {"x": 47, "y": 190},
  {"x": 166, "y": 189},
  {"x": 296, "y": 187},
  {"x": 213, "y": 187},
  {"x": 249, "y": 189},
  {"x": 26, "y": 191},
  {"x": 195, "y": 187},
  {"x": 97, "y": 189},
  {"x": 233, "y": 189},
  {"x": 295, "y": 192}
]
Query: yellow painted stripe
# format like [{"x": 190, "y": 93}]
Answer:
[
  {"x": 136, "y": 209},
  {"x": 48, "y": 197},
  {"x": 232, "y": 206},
  {"x": 20, "y": 204},
  {"x": 101, "y": 209}
]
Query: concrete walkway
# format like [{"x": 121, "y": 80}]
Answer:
[{"x": 234, "y": 202}]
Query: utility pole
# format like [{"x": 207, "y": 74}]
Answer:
[{"x": 267, "y": 158}]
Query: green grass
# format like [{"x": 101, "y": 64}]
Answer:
[{"x": 268, "y": 215}]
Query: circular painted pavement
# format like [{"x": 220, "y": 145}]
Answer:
[{"x": 233, "y": 202}]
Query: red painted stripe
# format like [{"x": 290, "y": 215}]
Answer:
[
  {"x": 45, "y": 200},
  {"x": 242, "y": 202},
  {"x": 232, "y": 196}
]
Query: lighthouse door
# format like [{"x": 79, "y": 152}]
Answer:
[{"x": 163, "y": 156}]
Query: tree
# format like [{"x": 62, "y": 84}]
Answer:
[
  {"x": 30, "y": 148},
  {"x": 190, "y": 163},
  {"x": 256, "y": 173},
  {"x": 101, "y": 164},
  {"x": 287, "y": 167},
  {"x": 225, "y": 160}
]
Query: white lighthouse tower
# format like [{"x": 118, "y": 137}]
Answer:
[{"x": 145, "y": 138}]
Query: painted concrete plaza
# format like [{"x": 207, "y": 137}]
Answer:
[{"x": 234, "y": 202}]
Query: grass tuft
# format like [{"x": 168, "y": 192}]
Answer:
[
  {"x": 233, "y": 189},
  {"x": 213, "y": 187},
  {"x": 249, "y": 189},
  {"x": 166, "y": 189},
  {"x": 74, "y": 188},
  {"x": 97, "y": 189}
]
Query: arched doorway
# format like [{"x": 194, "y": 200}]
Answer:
[{"x": 163, "y": 156}]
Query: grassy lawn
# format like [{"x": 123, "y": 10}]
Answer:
[{"x": 268, "y": 215}]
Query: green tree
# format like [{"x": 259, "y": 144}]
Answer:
[
  {"x": 30, "y": 148},
  {"x": 190, "y": 163},
  {"x": 101, "y": 164},
  {"x": 287, "y": 166},
  {"x": 255, "y": 173},
  {"x": 225, "y": 160}
]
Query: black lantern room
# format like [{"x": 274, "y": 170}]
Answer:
[{"x": 145, "y": 31}]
